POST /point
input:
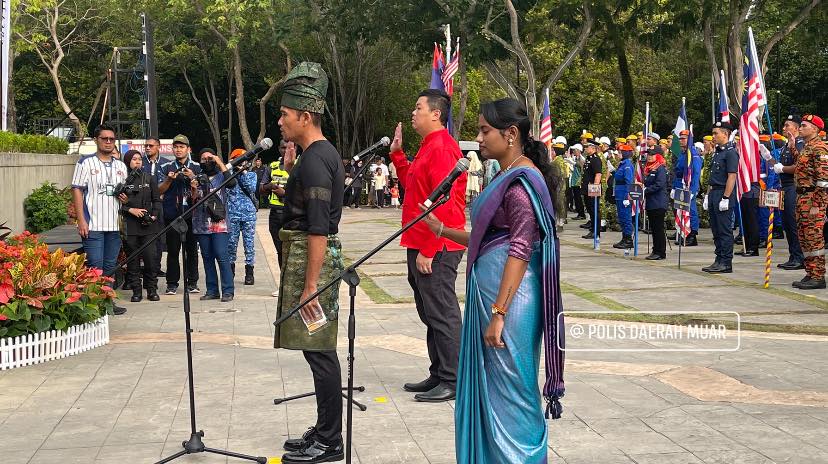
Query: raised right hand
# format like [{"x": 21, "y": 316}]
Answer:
[{"x": 396, "y": 143}]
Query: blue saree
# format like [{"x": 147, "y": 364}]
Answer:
[{"x": 499, "y": 417}]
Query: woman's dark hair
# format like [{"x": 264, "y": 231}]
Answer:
[{"x": 507, "y": 112}]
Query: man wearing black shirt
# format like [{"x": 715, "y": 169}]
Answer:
[
  {"x": 592, "y": 175},
  {"x": 312, "y": 256}
]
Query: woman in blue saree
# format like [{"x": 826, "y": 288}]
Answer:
[{"x": 513, "y": 300}]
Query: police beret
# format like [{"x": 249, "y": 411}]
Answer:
[
  {"x": 723, "y": 125},
  {"x": 815, "y": 120}
]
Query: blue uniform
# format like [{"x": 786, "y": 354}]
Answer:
[
  {"x": 772, "y": 182},
  {"x": 241, "y": 217},
  {"x": 623, "y": 178},
  {"x": 679, "y": 171},
  {"x": 725, "y": 161}
]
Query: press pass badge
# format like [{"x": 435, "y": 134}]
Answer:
[{"x": 110, "y": 190}]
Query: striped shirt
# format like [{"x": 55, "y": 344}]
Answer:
[{"x": 97, "y": 179}]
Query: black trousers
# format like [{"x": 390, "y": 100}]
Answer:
[
  {"x": 160, "y": 245},
  {"x": 327, "y": 383},
  {"x": 437, "y": 306},
  {"x": 150, "y": 274},
  {"x": 578, "y": 197},
  {"x": 750, "y": 222},
  {"x": 274, "y": 223},
  {"x": 789, "y": 223},
  {"x": 655, "y": 218},
  {"x": 721, "y": 224},
  {"x": 174, "y": 254}
]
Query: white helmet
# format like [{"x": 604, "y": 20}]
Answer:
[
  {"x": 604, "y": 141},
  {"x": 578, "y": 147},
  {"x": 559, "y": 139}
]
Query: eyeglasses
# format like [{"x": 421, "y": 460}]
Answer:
[
  {"x": 149, "y": 145},
  {"x": 106, "y": 139}
]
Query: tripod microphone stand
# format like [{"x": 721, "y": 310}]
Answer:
[
  {"x": 195, "y": 444},
  {"x": 351, "y": 277},
  {"x": 366, "y": 162}
]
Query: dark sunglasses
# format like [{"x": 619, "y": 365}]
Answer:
[{"x": 106, "y": 139}]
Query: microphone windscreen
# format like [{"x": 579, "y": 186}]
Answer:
[
  {"x": 463, "y": 164},
  {"x": 266, "y": 143},
  {"x": 385, "y": 141}
]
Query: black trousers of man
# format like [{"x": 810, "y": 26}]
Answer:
[
  {"x": 174, "y": 253},
  {"x": 750, "y": 222},
  {"x": 327, "y": 383},
  {"x": 437, "y": 306},
  {"x": 721, "y": 224},
  {"x": 789, "y": 223},
  {"x": 274, "y": 223},
  {"x": 655, "y": 217},
  {"x": 150, "y": 271},
  {"x": 594, "y": 213}
]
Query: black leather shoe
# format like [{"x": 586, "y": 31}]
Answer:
[
  {"x": 708, "y": 268},
  {"x": 720, "y": 269},
  {"x": 227, "y": 297},
  {"x": 747, "y": 253},
  {"x": 691, "y": 240},
  {"x": 812, "y": 284},
  {"x": 437, "y": 394},
  {"x": 778, "y": 233},
  {"x": 655, "y": 257},
  {"x": 136, "y": 298},
  {"x": 118, "y": 310},
  {"x": 152, "y": 295},
  {"x": 296, "y": 444},
  {"x": 209, "y": 297},
  {"x": 586, "y": 225},
  {"x": 797, "y": 283},
  {"x": 791, "y": 265},
  {"x": 590, "y": 235},
  {"x": 738, "y": 240},
  {"x": 315, "y": 452},
  {"x": 422, "y": 387}
]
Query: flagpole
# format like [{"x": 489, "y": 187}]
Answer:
[
  {"x": 769, "y": 246},
  {"x": 713, "y": 97}
]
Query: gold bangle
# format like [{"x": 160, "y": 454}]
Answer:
[
  {"x": 440, "y": 232},
  {"x": 497, "y": 309}
]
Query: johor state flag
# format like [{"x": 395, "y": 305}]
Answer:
[{"x": 752, "y": 98}]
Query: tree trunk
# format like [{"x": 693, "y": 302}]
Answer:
[
  {"x": 240, "y": 109},
  {"x": 64, "y": 105},
  {"x": 209, "y": 116},
  {"x": 620, "y": 46},
  {"x": 230, "y": 81},
  {"x": 708, "y": 47}
]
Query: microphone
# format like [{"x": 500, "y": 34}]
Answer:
[
  {"x": 264, "y": 145},
  {"x": 445, "y": 186},
  {"x": 383, "y": 142}
]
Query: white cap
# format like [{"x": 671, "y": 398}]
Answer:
[
  {"x": 699, "y": 145},
  {"x": 578, "y": 147},
  {"x": 604, "y": 141},
  {"x": 560, "y": 139}
]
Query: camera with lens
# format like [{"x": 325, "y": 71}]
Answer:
[
  {"x": 146, "y": 220},
  {"x": 126, "y": 185}
]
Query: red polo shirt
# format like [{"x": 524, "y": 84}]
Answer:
[{"x": 436, "y": 158}]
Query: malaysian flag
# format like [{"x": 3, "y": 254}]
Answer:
[
  {"x": 683, "y": 216},
  {"x": 752, "y": 99},
  {"x": 724, "y": 111},
  {"x": 451, "y": 69},
  {"x": 437, "y": 73},
  {"x": 546, "y": 123}
]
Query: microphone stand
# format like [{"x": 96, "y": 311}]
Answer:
[
  {"x": 194, "y": 444},
  {"x": 350, "y": 277},
  {"x": 366, "y": 163}
]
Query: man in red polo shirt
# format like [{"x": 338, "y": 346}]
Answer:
[{"x": 433, "y": 260}]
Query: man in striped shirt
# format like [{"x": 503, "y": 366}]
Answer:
[{"x": 93, "y": 192}]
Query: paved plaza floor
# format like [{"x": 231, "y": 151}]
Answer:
[{"x": 764, "y": 400}]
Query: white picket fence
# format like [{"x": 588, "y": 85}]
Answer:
[{"x": 53, "y": 344}]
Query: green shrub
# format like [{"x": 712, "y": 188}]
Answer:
[
  {"x": 46, "y": 208},
  {"x": 30, "y": 143}
]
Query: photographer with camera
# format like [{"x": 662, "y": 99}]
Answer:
[
  {"x": 210, "y": 225},
  {"x": 174, "y": 180},
  {"x": 141, "y": 208}
]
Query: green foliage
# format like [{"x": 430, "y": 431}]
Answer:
[
  {"x": 26, "y": 143},
  {"x": 46, "y": 208}
]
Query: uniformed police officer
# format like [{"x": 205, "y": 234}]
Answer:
[
  {"x": 273, "y": 185},
  {"x": 785, "y": 168},
  {"x": 721, "y": 198},
  {"x": 593, "y": 169},
  {"x": 811, "y": 179},
  {"x": 679, "y": 172},
  {"x": 623, "y": 179}
]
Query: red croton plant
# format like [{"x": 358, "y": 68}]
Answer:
[{"x": 40, "y": 290}]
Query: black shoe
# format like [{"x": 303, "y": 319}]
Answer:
[
  {"x": 811, "y": 284},
  {"x": 437, "y": 394},
  {"x": 152, "y": 295},
  {"x": 655, "y": 257},
  {"x": 171, "y": 289},
  {"x": 791, "y": 265},
  {"x": 708, "y": 268},
  {"x": 161, "y": 274},
  {"x": 747, "y": 253},
  {"x": 738, "y": 240},
  {"x": 296, "y": 444},
  {"x": 586, "y": 225},
  {"x": 778, "y": 233},
  {"x": 797, "y": 283},
  {"x": 227, "y": 297},
  {"x": 315, "y": 452},
  {"x": 248, "y": 275},
  {"x": 193, "y": 289},
  {"x": 691, "y": 240},
  {"x": 422, "y": 387},
  {"x": 209, "y": 297},
  {"x": 137, "y": 296},
  {"x": 590, "y": 235},
  {"x": 720, "y": 269},
  {"x": 763, "y": 244},
  {"x": 118, "y": 310}
]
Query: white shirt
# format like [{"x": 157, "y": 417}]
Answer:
[{"x": 97, "y": 180}]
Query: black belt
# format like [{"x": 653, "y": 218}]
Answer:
[{"x": 717, "y": 187}]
